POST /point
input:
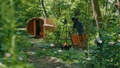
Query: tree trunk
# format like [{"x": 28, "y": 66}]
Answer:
[
  {"x": 43, "y": 7},
  {"x": 118, "y": 1},
  {"x": 119, "y": 8},
  {"x": 98, "y": 18},
  {"x": 88, "y": 7},
  {"x": 58, "y": 8},
  {"x": 96, "y": 13},
  {"x": 117, "y": 5},
  {"x": 106, "y": 3}
]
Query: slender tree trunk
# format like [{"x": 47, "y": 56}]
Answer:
[
  {"x": 117, "y": 5},
  {"x": 98, "y": 18},
  {"x": 118, "y": 1},
  {"x": 43, "y": 7},
  {"x": 59, "y": 8},
  {"x": 106, "y": 8},
  {"x": 88, "y": 7},
  {"x": 96, "y": 13}
]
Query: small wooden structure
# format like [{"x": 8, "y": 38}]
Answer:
[
  {"x": 78, "y": 41},
  {"x": 37, "y": 26}
]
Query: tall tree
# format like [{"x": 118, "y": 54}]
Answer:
[
  {"x": 43, "y": 7},
  {"x": 117, "y": 5},
  {"x": 118, "y": 1},
  {"x": 97, "y": 13}
]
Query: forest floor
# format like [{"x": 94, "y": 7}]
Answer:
[{"x": 44, "y": 61}]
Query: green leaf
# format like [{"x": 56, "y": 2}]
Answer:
[{"x": 117, "y": 44}]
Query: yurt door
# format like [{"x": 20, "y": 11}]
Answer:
[{"x": 37, "y": 28}]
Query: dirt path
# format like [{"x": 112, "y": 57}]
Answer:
[{"x": 44, "y": 61}]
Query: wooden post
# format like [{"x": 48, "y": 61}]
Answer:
[{"x": 34, "y": 27}]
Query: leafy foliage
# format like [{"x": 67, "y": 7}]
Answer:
[
  {"x": 14, "y": 14},
  {"x": 10, "y": 53}
]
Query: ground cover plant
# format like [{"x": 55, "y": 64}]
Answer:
[{"x": 19, "y": 50}]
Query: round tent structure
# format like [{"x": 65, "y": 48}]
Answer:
[{"x": 37, "y": 26}]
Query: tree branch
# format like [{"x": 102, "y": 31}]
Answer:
[{"x": 43, "y": 8}]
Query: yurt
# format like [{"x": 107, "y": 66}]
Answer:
[{"x": 37, "y": 26}]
